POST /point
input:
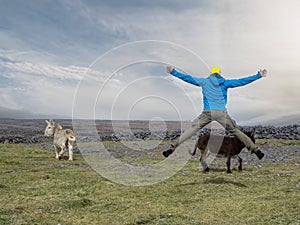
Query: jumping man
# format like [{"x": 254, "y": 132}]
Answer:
[{"x": 214, "y": 90}]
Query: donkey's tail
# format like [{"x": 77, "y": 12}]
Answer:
[
  {"x": 195, "y": 149},
  {"x": 71, "y": 138}
]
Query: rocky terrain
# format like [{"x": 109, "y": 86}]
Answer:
[{"x": 32, "y": 131}]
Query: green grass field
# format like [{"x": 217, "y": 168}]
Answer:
[{"x": 37, "y": 189}]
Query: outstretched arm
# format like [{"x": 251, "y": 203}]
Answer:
[
  {"x": 187, "y": 78},
  {"x": 246, "y": 80}
]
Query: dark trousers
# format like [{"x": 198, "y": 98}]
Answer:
[{"x": 221, "y": 117}]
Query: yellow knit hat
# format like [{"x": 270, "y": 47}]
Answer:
[{"x": 215, "y": 70}]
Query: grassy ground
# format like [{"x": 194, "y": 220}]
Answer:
[
  {"x": 277, "y": 142},
  {"x": 37, "y": 189}
]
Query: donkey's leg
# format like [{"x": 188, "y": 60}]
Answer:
[
  {"x": 239, "y": 159},
  {"x": 70, "y": 152},
  {"x": 56, "y": 152},
  {"x": 203, "y": 162},
  {"x": 61, "y": 153},
  {"x": 228, "y": 159}
]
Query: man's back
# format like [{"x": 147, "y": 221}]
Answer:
[{"x": 214, "y": 87}]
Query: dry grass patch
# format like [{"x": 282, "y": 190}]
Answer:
[{"x": 37, "y": 189}]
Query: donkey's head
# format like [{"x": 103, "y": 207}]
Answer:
[
  {"x": 51, "y": 127},
  {"x": 251, "y": 134}
]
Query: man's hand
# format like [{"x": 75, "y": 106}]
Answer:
[
  {"x": 169, "y": 69},
  {"x": 263, "y": 72}
]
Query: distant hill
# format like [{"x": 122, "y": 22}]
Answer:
[
  {"x": 276, "y": 121},
  {"x": 25, "y": 114},
  {"x": 284, "y": 120}
]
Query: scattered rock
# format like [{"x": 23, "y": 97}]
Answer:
[
  {"x": 290, "y": 132},
  {"x": 46, "y": 177},
  {"x": 11, "y": 172},
  {"x": 31, "y": 132}
]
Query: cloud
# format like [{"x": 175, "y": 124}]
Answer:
[
  {"x": 8, "y": 100},
  {"x": 41, "y": 88},
  {"x": 46, "y": 48}
]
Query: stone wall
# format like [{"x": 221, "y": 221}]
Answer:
[{"x": 291, "y": 132}]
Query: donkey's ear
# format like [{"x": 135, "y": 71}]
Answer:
[
  {"x": 252, "y": 130},
  {"x": 47, "y": 121}
]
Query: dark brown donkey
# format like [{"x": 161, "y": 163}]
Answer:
[{"x": 230, "y": 147}]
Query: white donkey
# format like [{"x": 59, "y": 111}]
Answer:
[{"x": 62, "y": 139}]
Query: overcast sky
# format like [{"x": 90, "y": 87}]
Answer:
[{"x": 94, "y": 54}]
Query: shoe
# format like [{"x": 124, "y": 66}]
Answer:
[
  {"x": 169, "y": 151},
  {"x": 258, "y": 153}
]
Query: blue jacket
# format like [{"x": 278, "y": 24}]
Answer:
[{"x": 214, "y": 87}]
